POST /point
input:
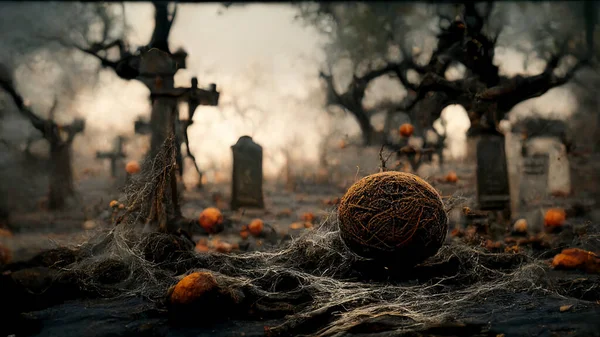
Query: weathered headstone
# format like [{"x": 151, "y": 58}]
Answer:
[
  {"x": 559, "y": 174},
  {"x": 247, "y": 176},
  {"x": 493, "y": 191},
  {"x": 114, "y": 156},
  {"x": 534, "y": 179}
]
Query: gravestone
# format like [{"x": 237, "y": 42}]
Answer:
[
  {"x": 534, "y": 179},
  {"x": 559, "y": 174},
  {"x": 247, "y": 176},
  {"x": 493, "y": 191}
]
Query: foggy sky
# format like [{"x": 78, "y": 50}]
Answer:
[{"x": 258, "y": 55}]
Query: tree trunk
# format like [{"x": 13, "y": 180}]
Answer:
[
  {"x": 365, "y": 127},
  {"x": 61, "y": 175},
  {"x": 162, "y": 28}
]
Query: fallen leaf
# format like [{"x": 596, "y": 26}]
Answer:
[
  {"x": 564, "y": 308},
  {"x": 297, "y": 225}
]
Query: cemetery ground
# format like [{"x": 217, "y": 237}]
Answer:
[{"x": 489, "y": 279}]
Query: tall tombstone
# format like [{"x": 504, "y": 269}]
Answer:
[
  {"x": 534, "y": 179},
  {"x": 493, "y": 192},
  {"x": 247, "y": 179}
]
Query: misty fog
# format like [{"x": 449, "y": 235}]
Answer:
[{"x": 264, "y": 62}]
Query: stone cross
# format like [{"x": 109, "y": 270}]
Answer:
[
  {"x": 247, "y": 176},
  {"x": 157, "y": 71},
  {"x": 114, "y": 156}
]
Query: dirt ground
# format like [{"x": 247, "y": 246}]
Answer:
[{"x": 287, "y": 214}]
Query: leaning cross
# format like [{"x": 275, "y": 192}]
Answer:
[
  {"x": 114, "y": 155},
  {"x": 157, "y": 70}
]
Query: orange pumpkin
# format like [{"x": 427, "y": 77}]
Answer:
[
  {"x": 575, "y": 258},
  {"x": 520, "y": 226},
  {"x": 210, "y": 219},
  {"x": 193, "y": 287},
  {"x": 244, "y": 234},
  {"x": 256, "y": 227},
  {"x": 406, "y": 130},
  {"x": 451, "y": 177},
  {"x": 555, "y": 217},
  {"x": 114, "y": 204},
  {"x": 132, "y": 167},
  {"x": 308, "y": 217}
]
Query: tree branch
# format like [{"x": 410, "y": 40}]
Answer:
[{"x": 37, "y": 122}]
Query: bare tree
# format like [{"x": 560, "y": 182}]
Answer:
[
  {"x": 364, "y": 33},
  {"x": 60, "y": 138}
]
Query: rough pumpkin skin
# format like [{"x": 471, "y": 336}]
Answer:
[
  {"x": 394, "y": 217},
  {"x": 193, "y": 287}
]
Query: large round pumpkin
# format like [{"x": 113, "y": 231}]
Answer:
[{"x": 394, "y": 217}]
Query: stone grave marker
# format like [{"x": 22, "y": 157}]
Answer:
[
  {"x": 559, "y": 173},
  {"x": 247, "y": 179},
  {"x": 493, "y": 191},
  {"x": 534, "y": 179},
  {"x": 114, "y": 156}
]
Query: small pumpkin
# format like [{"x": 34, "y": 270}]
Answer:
[
  {"x": 555, "y": 217},
  {"x": 210, "y": 219},
  {"x": 256, "y": 227},
  {"x": 132, "y": 167},
  {"x": 406, "y": 130},
  {"x": 451, "y": 177},
  {"x": 520, "y": 226},
  {"x": 193, "y": 287}
]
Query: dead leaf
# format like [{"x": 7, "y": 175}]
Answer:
[
  {"x": 564, "y": 308},
  {"x": 297, "y": 225}
]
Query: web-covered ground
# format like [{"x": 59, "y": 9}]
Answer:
[{"x": 475, "y": 287}]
